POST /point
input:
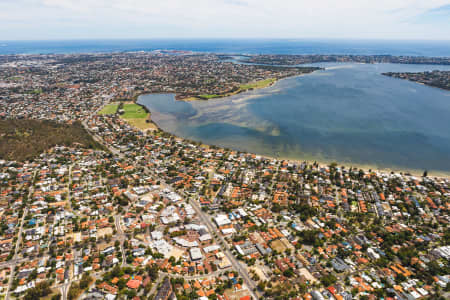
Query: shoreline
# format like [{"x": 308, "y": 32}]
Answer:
[
  {"x": 347, "y": 164},
  {"x": 322, "y": 162},
  {"x": 367, "y": 166},
  {"x": 230, "y": 94},
  {"x": 252, "y": 86},
  {"x": 393, "y": 75},
  {"x": 273, "y": 83},
  {"x": 150, "y": 125},
  {"x": 136, "y": 96}
]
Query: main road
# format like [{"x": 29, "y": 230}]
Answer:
[
  {"x": 19, "y": 240},
  {"x": 234, "y": 262},
  {"x": 121, "y": 236},
  {"x": 205, "y": 218}
]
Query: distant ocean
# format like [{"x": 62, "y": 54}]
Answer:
[{"x": 233, "y": 46}]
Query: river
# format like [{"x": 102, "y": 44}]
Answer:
[{"x": 348, "y": 113}]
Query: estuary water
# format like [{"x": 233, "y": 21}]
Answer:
[{"x": 348, "y": 113}]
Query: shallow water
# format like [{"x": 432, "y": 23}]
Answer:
[{"x": 348, "y": 113}]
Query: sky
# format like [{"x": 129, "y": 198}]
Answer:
[{"x": 146, "y": 19}]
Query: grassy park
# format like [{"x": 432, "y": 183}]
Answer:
[
  {"x": 133, "y": 111},
  {"x": 209, "y": 96},
  {"x": 258, "y": 84},
  {"x": 137, "y": 116},
  {"x": 109, "y": 109}
]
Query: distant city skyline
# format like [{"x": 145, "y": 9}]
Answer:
[{"x": 140, "y": 19}]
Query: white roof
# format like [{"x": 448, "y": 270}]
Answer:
[
  {"x": 211, "y": 248},
  {"x": 226, "y": 231},
  {"x": 110, "y": 297},
  {"x": 195, "y": 253},
  {"x": 205, "y": 237},
  {"x": 162, "y": 246},
  {"x": 194, "y": 227},
  {"x": 185, "y": 243},
  {"x": 222, "y": 220}
]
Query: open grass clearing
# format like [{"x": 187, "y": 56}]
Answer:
[
  {"x": 258, "y": 84},
  {"x": 109, "y": 109},
  {"x": 243, "y": 87},
  {"x": 133, "y": 111},
  {"x": 141, "y": 124},
  {"x": 137, "y": 116},
  {"x": 210, "y": 96}
]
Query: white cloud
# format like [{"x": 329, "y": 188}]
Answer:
[{"x": 221, "y": 18}]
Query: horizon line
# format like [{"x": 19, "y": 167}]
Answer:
[{"x": 230, "y": 38}]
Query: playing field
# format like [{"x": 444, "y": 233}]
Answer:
[
  {"x": 258, "y": 84},
  {"x": 134, "y": 111},
  {"x": 109, "y": 109},
  {"x": 209, "y": 96},
  {"x": 137, "y": 116}
]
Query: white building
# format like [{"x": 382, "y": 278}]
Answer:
[
  {"x": 222, "y": 220},
  {"x": 195, "y": 253}
]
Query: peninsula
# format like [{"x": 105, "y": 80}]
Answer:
[
  {"x": 436, "y": 78},
  {"x": 368, "y": 59}
]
